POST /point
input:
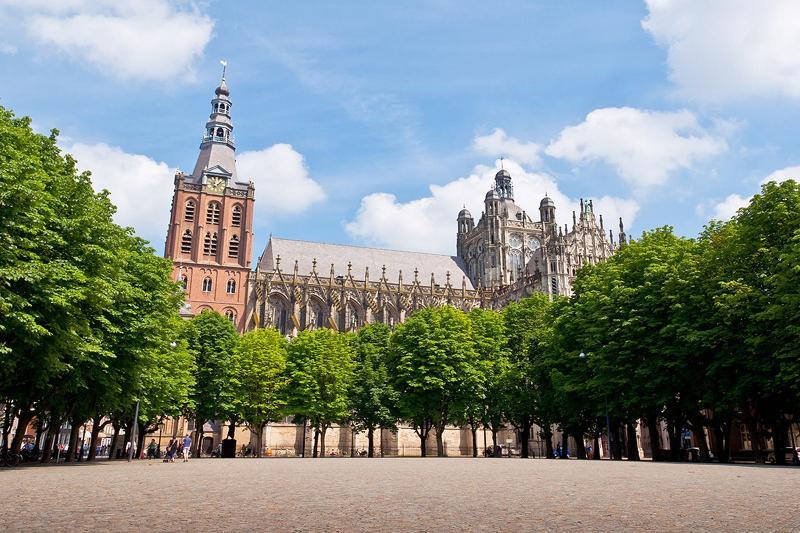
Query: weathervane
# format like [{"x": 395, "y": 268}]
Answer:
[{"x": 224, "y": 66}]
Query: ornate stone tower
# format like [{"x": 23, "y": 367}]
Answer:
[{"x": 210, "y": 233}]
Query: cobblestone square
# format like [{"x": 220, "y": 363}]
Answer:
[{"x": 343, "y": 494}]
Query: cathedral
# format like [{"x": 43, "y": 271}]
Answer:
[{"x": 297, "y": 285}]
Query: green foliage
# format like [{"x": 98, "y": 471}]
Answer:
[
  {"x": 320, "y": 365},
  {"x": 373, "y": 399},
  {"x": 258, "y": 378},
  {"x": 211, "y": 340},
  {"x": 432, "y": 363}
]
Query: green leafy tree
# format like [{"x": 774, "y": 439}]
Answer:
[
  {"x": 529, "y": 328},
  {"x": 320, "y": 365},
  {"x": 211, "y": 340},
  {"x": 433, "y": 367},
  {"x": 259, "y": 380},
  {"x": 372, "y": 397},
  {"x": 487, "y": 406}
]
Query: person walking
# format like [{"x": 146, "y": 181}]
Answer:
[{"x": 187, "y": 445}]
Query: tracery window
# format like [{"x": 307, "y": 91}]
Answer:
[
  {"x": 184, "y": 281},
  {"x": 207, "y": 285},
  {"x": 236, "y": 216},
  {"x": 233, "y": 247},
  {"x": 188, "y": 212},
  {"x": 186, "y": 241},
  {"x": 230, "y": 314},
  {"x": 210, "y": 244},
  {"x": 230, "y": 288},
  {"x": 212, "y": 213}
]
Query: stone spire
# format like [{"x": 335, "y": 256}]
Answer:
[{"x": 217, "y": 151}]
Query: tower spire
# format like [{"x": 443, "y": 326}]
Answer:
[{"x": 217, "y": 155}]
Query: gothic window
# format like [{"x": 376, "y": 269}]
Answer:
[
  {"x": 230, "y": 288},
  {"x": 212, "y": 213},
  {"x": 316, "y": 318},
  {"x": 210, "y": 244},
  {"x": 186, "y": 242},
  {"x": 233, "y": 247},
  {"x": 188, "y": 213},
  {"x": 207, "y": 285},
  {"x": 554, "y": 285},
  {"x": 515, "y": 263},
  {"x": 280, "y": 314},
  {"x": 552, "y": 266},
  {"x": 352, "y": 321},
  {"x": 230, "y": 314},
  {"x": 236, "y": 216},
  {"x": 184, "y": 281}
]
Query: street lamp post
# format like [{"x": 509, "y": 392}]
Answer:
[{"x": 582, "y": 356}]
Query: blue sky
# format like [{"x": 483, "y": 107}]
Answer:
[{"x": 373, "y": 122}]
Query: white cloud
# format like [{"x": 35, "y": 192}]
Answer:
[
  {"x": 643, "y": 146},
  {"x": 783, "y": 175},
  {"x": 428, "y": 224},
  {"x": 733, "y": 202},
  {"x": 499, "y": 143},
  {"x": 140, "y": 187},
  {"x": 283, "y": 184},
  {"x": 725, "y": 50},
  {"x": 143, "y": 40},
  {"x": 8, "y": 49},
  {"x": 729, "y": 206}
]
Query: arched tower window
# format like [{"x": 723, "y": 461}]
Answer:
[
  {"x": 212, "y": 213},
  {"x": 186, "y": 242},
  {"x": 233, "y": 247},
  {"x": 207, "y": 285},
  {"x": 230, "y": 314},
  {"x": 230, "y": 288},
  {"x": 210, "y": 244},
  {"x": 220, "y": 134},
  {"x": 184, "y": 281},
  {"x": 188, "y": 212},
  {"x": 236, "y": 216}
]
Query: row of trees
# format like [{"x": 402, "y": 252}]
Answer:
[
  {"x": 697, "y": 334},
  {"x": 687, "y": 334},
  {"x": 89, "y": 320}
]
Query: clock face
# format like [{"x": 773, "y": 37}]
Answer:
[
  {"x": 515, "y": 241},
  {"x": 216, "y": 183},
  {"x": 533, "y": 243}
]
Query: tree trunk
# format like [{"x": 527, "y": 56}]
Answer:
[
  {"x": 779, "y": 440},
  {"x": 8, "y": 419},
  {"x": 24, "y": 417},
  {"x": 116, "y": 425},
  {"x": 40, "y": 431},
  {"x": 617, "y": 447},
  {"x": 322, "y": 431},
  {"x": 564, "y": 445},
  {"x": 96, "y": 427},
  {"x": 370, "y": 443},
  {"x": 547, "y": 433},
  {"x": 474, "y": 441},
  {"x": 494, "y": 437},
  {"x": 259, "y": 439},
  {"x": 440, "y": 442},
  {"x": 232, "y": 429},
  {"x": 655, "y": 438},
  {"x": 423, "y": 443},
  {"x": 633, "y": 443},
  {"x": 580, "y": 447},
  {"x": 73, "y": 441},
  {"x": 596, "y": 442},
  {"x": 524, "y": 437},
  {"x": 315, "y": 450},
  {"x": 140, "y": 437},
  {"x": 52, "y": 432},
  {"x": 198, "y": 427}
]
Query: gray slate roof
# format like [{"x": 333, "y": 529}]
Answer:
[{"x": 304, "y": 252}]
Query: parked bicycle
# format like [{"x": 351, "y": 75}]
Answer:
[{"x": 9, "y": 458}]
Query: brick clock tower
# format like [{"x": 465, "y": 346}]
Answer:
[{"x": 210, "y": 235}]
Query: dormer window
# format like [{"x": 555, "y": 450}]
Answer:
[
  {"x": 212, "y": 213},
  {"x": 236, "y": 216}
]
